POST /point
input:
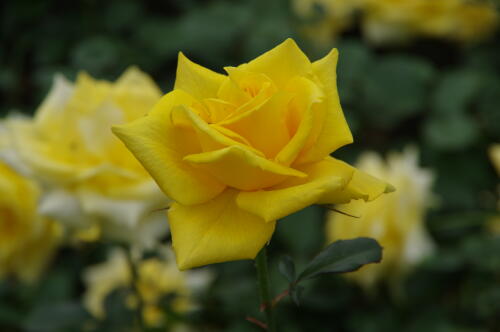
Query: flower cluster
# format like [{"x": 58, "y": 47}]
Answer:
[
  {"x": 156, "y": 278},
  {"x": 395, "y": 21},
  {"x": 396, "y": 220}
]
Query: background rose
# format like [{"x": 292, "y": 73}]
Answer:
[
  {"x": 90, "y": 180},
  {"x": 27, "y": 240},
  {"x": 158, "y": 277},
  {"x": 396, "y": 220},
  {"x": 238, "y": 152}
]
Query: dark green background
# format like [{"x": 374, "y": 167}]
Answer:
[{"x": 443, "y": 97}]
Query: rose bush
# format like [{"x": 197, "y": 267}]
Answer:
[
  {"x": 237, "y": 152},
  {"x": 396, "y": 220}
]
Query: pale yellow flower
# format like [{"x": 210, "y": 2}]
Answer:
[
  {"x": 27, "y": 240},
  {"x": 398, "y": 21},
  {"x": 157, "y": 277},
  {"x": 90, "y": 179},
  {"x": 395, "y": 220},
  {"x": 237, "y": 152}
]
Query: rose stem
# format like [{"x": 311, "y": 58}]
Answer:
[
  {"x": 135, "y": 288},
  {"x": 264, "y": 285}
]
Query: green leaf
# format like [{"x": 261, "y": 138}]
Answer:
[
  {"x": 287, "y": 268},
  {"x": 296, "y": 293},
  {"x": 455, "y": 91},
  {"x": 452, "y": 132},
  {"x": 343, "y": 256}
]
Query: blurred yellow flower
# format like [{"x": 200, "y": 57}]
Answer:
[
  {"x": 495, "y": 156},
  {"x": 388, "y": 21},
  {"x": 27, "y": 241},
  {"x": 157, "y": 277},
  {"x": 236, "y": 152},
  {"x": 92, "y": 183},
  {"x": 395, "y": 220},
  {"x": 396, "y": 21}
]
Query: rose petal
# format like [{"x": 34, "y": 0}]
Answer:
[
  {"x": 300, "y": 118},
  {"x": 216, "y": 231},
  {"x": 324, "y": 179},
  {"x": 333, "y": 130},
  {"x": 264, "y": 126},
  {"x": 282, "y": 63},
  {"x": 160, "y": 147},
  {"x": 241, "y": 169},
  {"x": 196, "y": 80}
]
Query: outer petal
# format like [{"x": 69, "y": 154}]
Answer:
[
  {"x": 241, "y": 169},
  {"x": 216, "y": 231},
  {"x": 324, "y": 179},
  {"x": 198, "y": 81},
  {"x": 281, "y": 63},
  {"x": 160, "y": 147},
  {"x": 333, "y": 131},
  {"x": 362, "y": 186}
]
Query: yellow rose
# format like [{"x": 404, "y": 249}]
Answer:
[
  {"x": 236, "y": 152},
  {"x": 90, "y": 179},
  {"x": 395, "y": 220},
  {"x": 27, "y": 241},
  {"x": 157, "y": 277}
]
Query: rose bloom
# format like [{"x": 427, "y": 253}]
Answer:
[
  {"x": 27, "y": 240},
  {"x": 396, "y": 220},
  {"x": 157, "y": 278},
  {"x": 92, "y": 183},
  {"x": 237, "y": 152}
]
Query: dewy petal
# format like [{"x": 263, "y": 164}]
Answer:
[
  {"x": 333, "y": 131},
  {"x": 301, "y": 117},
  {"x": 216, "y": 231},
  {"x": 325, "y": 178},
  {"x": 160, "y": 147},
  {"x": 241, "y": 169},
  {"x": 282, "y": 63},
  {"x": 196, "y": 80}
]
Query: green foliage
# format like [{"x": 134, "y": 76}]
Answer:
[{"x": 443, "y": 98}]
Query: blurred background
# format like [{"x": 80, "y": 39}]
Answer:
[{"x": 409, "y": 74}]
